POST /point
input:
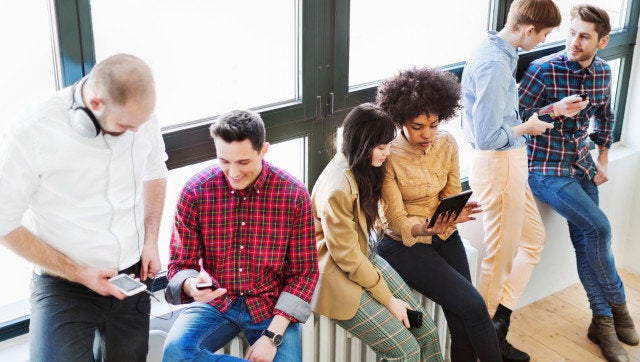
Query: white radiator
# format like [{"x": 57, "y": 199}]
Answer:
[{"x": 322, "y": 339}]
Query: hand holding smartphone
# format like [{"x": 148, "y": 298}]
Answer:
[
  {"x": 415, "y": 318},
  {"x": 127, "y": 284},
  {"x": 584, "y": 96},
  {"x": 206, "y": 285}
]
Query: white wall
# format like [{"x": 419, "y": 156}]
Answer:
[
  {"x": 631, "y": 138},
  {"x": 619, "y": 198}
]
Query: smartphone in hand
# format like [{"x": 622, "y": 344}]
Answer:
[
  {"x": 415, "y": 318},
  {"x": 127, "y": 284},
  {"x": 207, "y": 285}
]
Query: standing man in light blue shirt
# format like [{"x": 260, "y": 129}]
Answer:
[{"x": 513, "y": 230}]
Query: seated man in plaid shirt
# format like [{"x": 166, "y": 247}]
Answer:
[
  {"x": 246, "y": 227},
  {"x": 564, "y": 175}
]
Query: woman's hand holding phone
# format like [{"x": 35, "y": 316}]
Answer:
[{"x": 398, "y": 308}]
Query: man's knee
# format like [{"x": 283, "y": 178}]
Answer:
[{"x": 177, "y": 348}]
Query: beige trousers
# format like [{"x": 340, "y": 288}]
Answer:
[{"x": 513, "y": 231}]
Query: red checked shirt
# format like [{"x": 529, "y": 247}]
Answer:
[{"x": 256, "y": 243}]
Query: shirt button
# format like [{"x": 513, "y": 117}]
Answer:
[
  {"x": 241, "y": 294},
  {"x": 244, "y": 198},
  {"x": 243, "y": 223},
  {"x": 240, "y": 269},
  {"x": 241, "y": 246}
]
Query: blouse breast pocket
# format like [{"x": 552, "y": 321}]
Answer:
[
  {"x": 413, "y": 187},
  {"x": 438, "y": 181}
]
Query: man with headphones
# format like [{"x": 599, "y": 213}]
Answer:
[{"x": 82, "y": 186}]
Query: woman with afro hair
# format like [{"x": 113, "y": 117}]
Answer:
[{"x": 421, "y": 170}]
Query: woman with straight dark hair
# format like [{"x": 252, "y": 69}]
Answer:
[{"x": 357, "y": 287}]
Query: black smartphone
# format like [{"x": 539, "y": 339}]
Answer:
[
  {"x": 415, "y": 318},
  {"x": 209, "y": 285},
  {"x": 584, "y": 96}
]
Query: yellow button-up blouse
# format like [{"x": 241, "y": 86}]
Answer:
[{"x": 415, "y": 182}]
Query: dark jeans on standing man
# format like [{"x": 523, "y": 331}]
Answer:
[
  {"x": 70, "y": 322},
  {"x": 440, "y": 271}
]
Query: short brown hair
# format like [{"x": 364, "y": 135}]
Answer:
[
  {"x": 239, "y": 125},
  {"x": 595, "y": 15},
  {"x": 541, "y": 14}
]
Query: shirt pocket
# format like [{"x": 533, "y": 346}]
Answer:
[
  {"x": 596, "y": 101},
  {"x": 438, "y": 181},
  {"x": 413, "y": 187}
]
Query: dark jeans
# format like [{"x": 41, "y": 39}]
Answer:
[
  {"x": 70, "y": 322},
  {"x": 576, "y": 199},
  {"x": 440, "y": 271}
]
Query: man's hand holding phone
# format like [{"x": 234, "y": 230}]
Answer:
[
  {"x": 571, "y": 105},
  {"x": 202, "y": 289},
  {"x": 97, "y": 279}
]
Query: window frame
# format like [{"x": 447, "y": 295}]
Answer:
[{"x": 325, "y": 95}]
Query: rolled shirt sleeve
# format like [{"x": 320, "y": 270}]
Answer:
[{"x": 155, "y": 167}]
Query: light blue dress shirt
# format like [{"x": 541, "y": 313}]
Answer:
[{"x": 490, "y": 97}]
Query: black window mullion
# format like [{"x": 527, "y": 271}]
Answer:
[{"x": 75, "y": 37}]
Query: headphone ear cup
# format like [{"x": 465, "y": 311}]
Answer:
[{"x": 85, "y": 122}]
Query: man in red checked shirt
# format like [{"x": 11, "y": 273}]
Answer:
[{"x": 246, "y": 228}]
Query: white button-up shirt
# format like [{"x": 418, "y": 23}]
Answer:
[{"x": 82, "y": 196}]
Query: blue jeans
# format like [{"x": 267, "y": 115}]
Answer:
[
  {"x": 576, "y": 199},
  {"x": 201, "y": 329}
]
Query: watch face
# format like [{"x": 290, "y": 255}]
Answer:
[{"x": 277, "y": 340}]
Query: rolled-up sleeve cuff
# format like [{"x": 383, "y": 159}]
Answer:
[
  {"x": 158, "y": 172},
  {"x": 173, "y": 293},
  {"x": 511, "y": 136},
  {"x": 7, "y": 226},
  {"x": 294, "y": 306},
  {"x": 601, "y": 140}
]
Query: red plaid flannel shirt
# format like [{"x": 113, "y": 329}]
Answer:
[{"x": 256, "y": 243}]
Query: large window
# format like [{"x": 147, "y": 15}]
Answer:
[
  {"x": 386, "y": 36},
  {"x": 303, "y": 64},
  {"x": 204, "y": 54},
  {"x": 617, "y": 10},
  {"x": 28, "y": 75}
]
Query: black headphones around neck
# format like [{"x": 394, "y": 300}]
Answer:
[{"x": 81, "y": 119}]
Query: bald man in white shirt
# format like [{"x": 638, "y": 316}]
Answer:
[{"x": 86, "y": 168}]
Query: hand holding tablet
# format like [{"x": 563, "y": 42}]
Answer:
[{"x": 452, "y": 205}]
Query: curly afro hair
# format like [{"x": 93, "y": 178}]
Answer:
[{"x": 418, "y": 91}]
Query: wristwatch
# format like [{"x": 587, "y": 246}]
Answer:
[{"x": 275, "y": 338}]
